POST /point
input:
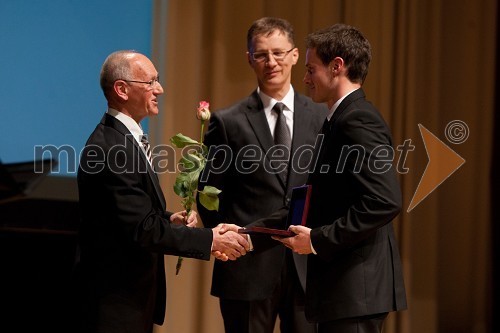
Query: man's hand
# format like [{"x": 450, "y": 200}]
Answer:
[
  {"x": 301, "y": 242},
  {"x": 219, "y": 255},
  {"x": 183, "y": 218},
  {"x": 227, "y": 243}
]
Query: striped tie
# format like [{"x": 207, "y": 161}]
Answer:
[{"x": 147, "y": 148}]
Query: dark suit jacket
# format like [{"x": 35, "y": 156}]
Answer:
[
  {"x": 124, "y": 233},
  {"x": 357, "y": 269},
  {"x": 251, "y": 191}
]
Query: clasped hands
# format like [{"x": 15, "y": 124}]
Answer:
[
  {"x": 227, "y": 243},
  {"x": 237, "y": 245}
]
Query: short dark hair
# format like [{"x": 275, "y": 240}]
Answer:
[
  {"x": 346, "y": 42},
  {"x": 266, "y": 26}
]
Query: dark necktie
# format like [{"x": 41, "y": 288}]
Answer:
[
  {"x": 147, "y": 148},
  {"x": 282, "y": 134},
  {"x": 326, "y": 127},
  {"x": 281, "y": 131}
]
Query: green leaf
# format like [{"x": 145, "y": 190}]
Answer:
[
  {"x": 192, "y": 180},
  {"x": 210, "y": 190},
  {"x": 181, "y": 187},
  {"x": 180, "y": 140},
  {"x": 209, "y": 197},
  {"x": 192, "y": 162},
  {"x": 186, "y": 164}
]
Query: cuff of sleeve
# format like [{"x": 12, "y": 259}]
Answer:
[
  {"x": 312, "y": 247},
  {"x": 212, "y": 244},
  {"x": 250, "y": 242}
]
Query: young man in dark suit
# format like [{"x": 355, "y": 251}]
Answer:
[
  {"x": 125, "y": 228},
  {"x": 354, "y": 276},
  {"x": 243, "y": 139}
]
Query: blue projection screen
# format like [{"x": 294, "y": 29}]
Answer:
[{"x": 51, "y": 55}]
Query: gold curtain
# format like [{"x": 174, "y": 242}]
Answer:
[{"x": 433, "y": 63}]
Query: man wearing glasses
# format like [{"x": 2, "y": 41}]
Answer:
[
  {"x": 125, "y": 229},
  {"x": 269, "y": 281}
]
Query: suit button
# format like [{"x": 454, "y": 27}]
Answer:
[{"x": 287, "y": 201}]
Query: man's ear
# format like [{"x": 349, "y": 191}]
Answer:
[
  {"x": 295, "y": 55},
  {"x": 336, "y": 65},
  {"x": 249, "y": 59},
  {"x": 121, "y": 89}
]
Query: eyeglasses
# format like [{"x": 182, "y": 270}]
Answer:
[
  {"x": 151, "y": 83},
  {"x": 277, "y": 55}
]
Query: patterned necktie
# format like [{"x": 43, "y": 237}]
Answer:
[
  {"x": 147, "y": 148},
  {"x": 282, "y": 134}
]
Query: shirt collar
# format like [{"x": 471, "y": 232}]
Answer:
[
  {"x": 336, "y": 105},
  {"x": 130, "y": 124},
  {"x": 268, "y": 102}
]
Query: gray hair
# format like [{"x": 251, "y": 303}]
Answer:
[{"x": 115, "y": 67}]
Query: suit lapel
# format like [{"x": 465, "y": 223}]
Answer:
[
  {"x": 117, "y": 125},
  {"x": 356, "y": 94},
  {"x": 301, "y": 120},
  {"x": 329, "y": 127},
  {"x": 156, "y": 183},
  {"x": 258, "y": 121},
  {"x": 301, "y": 125}
]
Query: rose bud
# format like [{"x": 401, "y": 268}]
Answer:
[{"x": 203, "y": 111}]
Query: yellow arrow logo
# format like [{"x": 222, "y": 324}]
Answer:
[{"x": 443, "y": 162}]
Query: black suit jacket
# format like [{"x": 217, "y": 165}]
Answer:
[
  {"x": 124, "y": 233},
  {"x": 357, "y": 269},
  {"x": 240, "y": 138}
]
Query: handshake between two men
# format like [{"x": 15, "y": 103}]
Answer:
[{"x": 227, "y": 243}]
